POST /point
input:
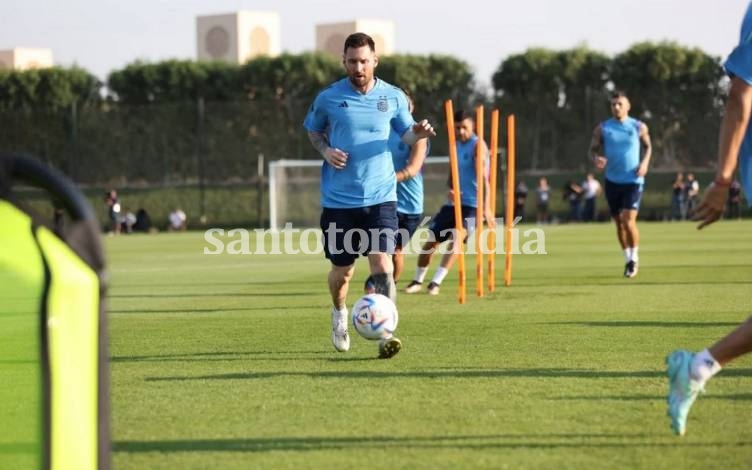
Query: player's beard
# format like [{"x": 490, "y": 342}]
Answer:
[{"x": 360, "y": 81}]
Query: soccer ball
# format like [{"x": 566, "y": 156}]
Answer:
[{"x": 374, "y": 316}]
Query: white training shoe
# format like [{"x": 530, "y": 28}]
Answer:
[
  {"x": 340, "y": 338},
  {"x": 433, "y": 288},
  {"x": 413, "y": 287}
]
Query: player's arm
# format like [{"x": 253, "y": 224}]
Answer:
[
  {"x": 415, "y": 161},
  {"x": 488, "y": 213},
  {"x": 596, "y": 149},
  {"x": 647, "y": 150},
  {"x": 404, "y": 124},
  {"x": 316, "y": 123},
  {"x": 733, "y": 128},
  {"x": 335, "y": 157}
]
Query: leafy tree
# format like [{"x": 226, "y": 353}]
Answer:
[
  {"x": 530, "y": 86},
  {"x": 51, "y": 88},
  {"x": 677, "y": 91}
]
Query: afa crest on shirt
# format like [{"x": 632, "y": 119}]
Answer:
[{"x": 382, "y": 105}]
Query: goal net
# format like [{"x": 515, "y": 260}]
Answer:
[{"x": 294, "y": 190}]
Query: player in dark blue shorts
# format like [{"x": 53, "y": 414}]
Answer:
[
  {"x": 616, "y": 146},
  {"x": 349, "y": 124},
  {"x": 442, "y": 226}
]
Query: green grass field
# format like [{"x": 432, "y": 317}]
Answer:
[{"x": 224, "y": 361}]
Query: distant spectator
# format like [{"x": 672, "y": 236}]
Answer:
[
  {"x": 591, "y": 189},
  {"x": 691, "y": 195},
  {"x": 520, "y": 197},
  {"x": 128, "y": 221},
  {"x": 113, "y": 211},
  {"x": 734, "y": 200},
  {"x": 573, "y": 195},
  {"x": 677, "y": 197},
  {"x": 542, "y": 196},
  {"x": 178, "y": 220},
  {"x": 143, "y": 221}
]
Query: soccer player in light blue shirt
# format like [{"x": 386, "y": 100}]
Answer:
[
  {"x": 621, "y": 145},
  {"x": 442, "y": 226},
  {"x": 688, "y": 372},
  {"x": 349, "y": 125},
  {"x": 408, "y": 164}
]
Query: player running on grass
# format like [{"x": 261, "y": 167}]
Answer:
[
  {"x": 616, "y": 146},
  {"x": 442, "y": 226},
  {"x": 349, "y": 125},
  {"x": 688, "y": 372}
]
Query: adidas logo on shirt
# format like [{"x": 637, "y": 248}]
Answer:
[{"x": 342, "y": 105}]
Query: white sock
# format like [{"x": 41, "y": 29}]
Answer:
[
  {"x": 340, "y": 312},
  {"x": 703, "y": 367},
  {"x": 627, "y": 254},
  {"x": 420, "y": 274},
  {"x": 440, "y": 274},
  {"x": 635, "y": 257}
]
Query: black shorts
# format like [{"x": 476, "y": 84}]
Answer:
[
  {"x": 407, "y": 224},
  {"x": 443, "y": 222},
  {"x": 350, "y": 233},
  {"x": 623, "y": 197}
]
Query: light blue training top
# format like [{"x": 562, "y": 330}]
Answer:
[
  {"x": 739, "y": 64},
  {"x": 409, "y": 192},
  {"x": 621, "y": 146},
  {"x": 468, "y": 175},
  {"x": 359, "y": 125}
]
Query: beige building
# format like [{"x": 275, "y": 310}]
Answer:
[
  {"x": 24, "y": 58},
  {"x": 331, "y": 37},
  {"x": 237, "y": 37}
]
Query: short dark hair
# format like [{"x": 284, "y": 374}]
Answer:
[
  {"x": 619, "y": 94},
  {"x": 460, "y": 115},
  {"x": 356, "y": 40}
]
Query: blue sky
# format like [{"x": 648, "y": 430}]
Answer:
[{"x": 104, "y": 35}]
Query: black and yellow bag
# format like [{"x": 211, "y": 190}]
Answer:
[{"x": 54, "y": 381}]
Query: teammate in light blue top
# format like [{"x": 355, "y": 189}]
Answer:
[
  {"x": 688, "y": 372},
  {"x": 349, "y": 125},
  {"x": 408, "y": 164},
  {"x": 442, "y": 226},
  {"x": 621, "y": 145}
]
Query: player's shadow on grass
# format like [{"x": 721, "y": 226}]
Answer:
[
  {"x": 225, "y": 356},
  {"x": 477, "y": 442},
  {"x": 705, "y": 397},
  {"x": 645, "y": 324},
  {"x": 189, "y": 310},
  {"x": 203, "y": 284},
  {"x": 443, "y": 374},
  {"x": 217, "y": 294}
]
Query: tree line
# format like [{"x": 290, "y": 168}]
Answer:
[{"x": 181, "y": 120}]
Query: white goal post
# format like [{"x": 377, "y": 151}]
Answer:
[{"x": 294, "y": 190}]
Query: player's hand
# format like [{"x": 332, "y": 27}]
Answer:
[
  {"x": 490, "y": 219},
  {"x": 642, "y": 170},
  {"x": 423, "y": 129},
  {"x": 712, "y": 205},
  {"x": 335, "y": 157},
  {"x": 600, "y": 162}
]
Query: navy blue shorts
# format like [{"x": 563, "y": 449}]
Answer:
[
  {"x": 349, "y": 233},
  {"x": 407, "y": 225},
  {"x": 623, "y": 197},
  {"x": 443, "y": 222}
]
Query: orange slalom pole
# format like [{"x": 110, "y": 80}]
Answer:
[
  {"x": 449, "y": 110},
  {"x": 493, "y": 170},
  {"x": 480, "y": 178},
  {"x": 509, "y": 216}
]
